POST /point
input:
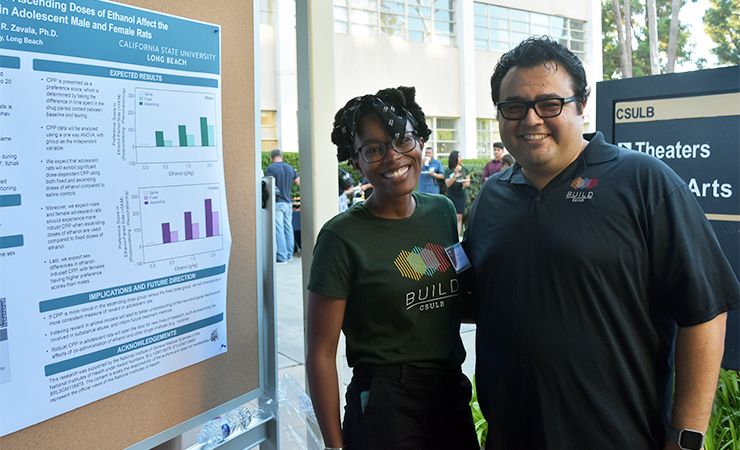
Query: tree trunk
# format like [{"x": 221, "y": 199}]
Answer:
[
  {"x": 628, "y": 35},
  {"x": 653, "y": 32},
  {"x": 625, "y": 55},
  {"x": 673, "y": 36}
]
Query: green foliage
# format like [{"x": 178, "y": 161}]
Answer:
[
  {"x": 724, "y": 425},
  {"x": 355, "y": 174},
  {"x": 640, "y": 35},
  {"x": 481, "y": 426},
  {"x": 722, "y": 25},
  {"x": 476, "y": 167}
]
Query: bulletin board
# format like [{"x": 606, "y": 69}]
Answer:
[{"x": 133, "y": 415}]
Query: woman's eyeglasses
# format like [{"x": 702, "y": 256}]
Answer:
[{"x": 377, "y": 150}]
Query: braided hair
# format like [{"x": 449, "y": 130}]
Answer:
[{"x": 394, "y": 106}]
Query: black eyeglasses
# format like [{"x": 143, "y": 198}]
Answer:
[
  {"x": 545, "y": 109},
  {"x": 377, "y": 150}
]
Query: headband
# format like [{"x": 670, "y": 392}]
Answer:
[{"x": 394, "y": 122}]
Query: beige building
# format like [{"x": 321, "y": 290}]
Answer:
[{"x": 447, "y": 49}]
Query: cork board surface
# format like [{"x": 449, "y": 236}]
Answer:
[{"x": 135, "y": 414}]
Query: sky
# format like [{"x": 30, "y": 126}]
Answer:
[{"x": 692, "y": 14}]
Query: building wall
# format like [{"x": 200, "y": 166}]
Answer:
[
  {"x": 365, "y": 65},
  {"x": 572, "y": 9},
  {"x": 268, "y": 69},
  {"x": 485, "y": 62}
]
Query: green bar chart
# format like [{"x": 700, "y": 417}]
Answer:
[{"x": 175, "y": 126}]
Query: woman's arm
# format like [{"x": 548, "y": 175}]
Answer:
[
  {"x": 324, "y": 323},
  {"x": 449, "y": 181}
]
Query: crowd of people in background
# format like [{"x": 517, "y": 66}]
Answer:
[
  {"x": 600, "y": 319},
  {"x": 434, "y": 176}
]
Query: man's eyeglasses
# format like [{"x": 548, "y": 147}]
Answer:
[
  {"x": 377, "y": 150},
  {"x": 545, "y": 109}
]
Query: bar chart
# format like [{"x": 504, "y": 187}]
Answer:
[
  {"x": 175, "y": 126},
  {"x": 178, "y": 221}
]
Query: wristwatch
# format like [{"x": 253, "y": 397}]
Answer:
[{"x": 687, "y": 438}]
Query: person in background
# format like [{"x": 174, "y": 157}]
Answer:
[
  {"x": 495, "y": 165},
  {"x": 431, "y": 171},
  {"x": 608, "y": 263},
  {"x": 366, "y": 187},
  {"x": 284, "y": 175},
  {"x": 345, "y": 188},
  {"x": 506, "y": 161},
  {"x": 402, "y": 328},
  {"x": 457, "y": 178}
]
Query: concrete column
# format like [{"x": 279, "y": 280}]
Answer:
[
  {"x": 316, "y": 108},
  {"x": 286, "y": 85},
  {"x": 594, "y": 61},
  {"x": 466, "y": 48}
]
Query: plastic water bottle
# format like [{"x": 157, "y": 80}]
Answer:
[{"x": 220, "y": 428}]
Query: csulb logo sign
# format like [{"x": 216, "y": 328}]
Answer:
[{"x": 635, "y": 113}]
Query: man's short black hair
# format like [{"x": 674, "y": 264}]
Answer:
[
  {"x": 498, "y": 145},
  {"x": 540, "y": 50},
  {"x": 275, "y": 153}
]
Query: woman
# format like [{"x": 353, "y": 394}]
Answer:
[
  {"x": 506, "y": 161},
  {"x": 457, "y": 178},
  {"x": 380, "y": 274}
]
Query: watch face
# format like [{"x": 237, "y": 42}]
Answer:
[{"x": 690, "y": 440}]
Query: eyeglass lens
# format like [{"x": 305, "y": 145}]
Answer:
[
  {"x": 545, "y": 109},
  {"x": 377, "y": 151}
]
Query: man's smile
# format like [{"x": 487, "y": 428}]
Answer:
[{"x": 534, "y": 137}]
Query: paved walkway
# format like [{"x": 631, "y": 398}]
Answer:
[{"x": 291, "y": 357}]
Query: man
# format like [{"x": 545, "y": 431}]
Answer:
[
  {"x": 284, "y": 175},
  {"x": 495, "y": 165},
  {"x": 431, "y": 171},
  {"x": 600, "y": 253}
]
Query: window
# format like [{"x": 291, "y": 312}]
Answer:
[
  {"x": 444, "y": 137},
  {"x": 486, "y": 134},
  {"x": 429, "y": 21},
  {"x": 266, "y": 12},
  {"x": 500, "y": 29},
  {"x": 268, "y": 135}
]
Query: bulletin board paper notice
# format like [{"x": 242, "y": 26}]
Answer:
[{"x": 114, "y": 230}]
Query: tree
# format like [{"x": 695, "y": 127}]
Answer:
[
  {"x": 722, "y": 25},
  {"x": 640, "y": 43},
  {"x": 624, "y": 36},
  {"x": 673, "y": 36},
  {"x": 653, "y": 37}
]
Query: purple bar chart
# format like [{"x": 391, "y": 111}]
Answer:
[
  {"x": 192, "y": 229},
  {"x": 180, "y": 221}
]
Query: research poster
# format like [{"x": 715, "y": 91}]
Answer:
[{"x": 114, "y": 231}]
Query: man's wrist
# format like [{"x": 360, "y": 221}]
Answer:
[{"x": 687, "y": 438}]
